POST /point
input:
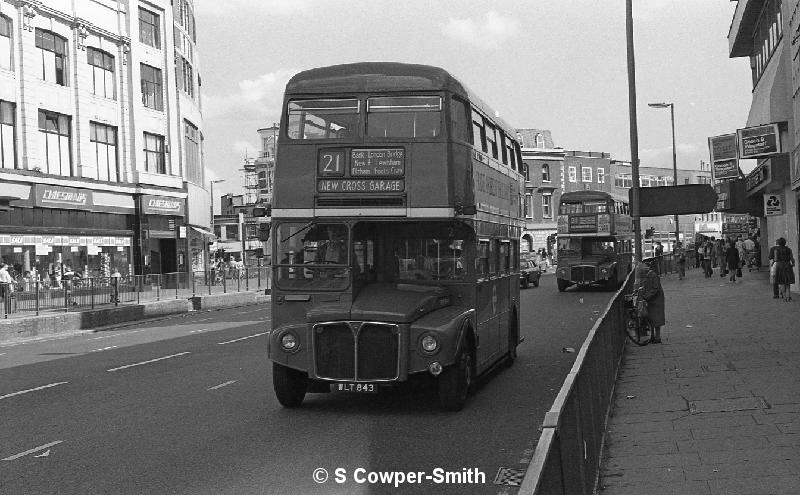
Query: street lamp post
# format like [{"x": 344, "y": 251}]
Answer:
[
  {"x": 211, "y": 211},
  {"x": 671, "y": 107}
]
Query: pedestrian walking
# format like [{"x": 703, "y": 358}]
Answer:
[
  {"x": 732, "y": 260},
  {"x": 659, "y": 253},
  {"x": 720, "y": 257},
  {"x": 6, "y": 288},
  {"x": 708, "y": 255},
  {"x": 679, "y": 255},
  {"x": 782, "y": 258},
  {"x": 646, "y": 279},
  {"x": 698, "y": 251}
]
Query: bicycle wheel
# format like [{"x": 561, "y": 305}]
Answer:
[{"x": 638, "y": 330}]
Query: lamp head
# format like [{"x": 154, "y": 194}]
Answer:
[{"x": 659, "y": 105}]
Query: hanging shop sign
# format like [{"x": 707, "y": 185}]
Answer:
[
  {"x": 163, "y": 205},
  {"x": 47, "y": 196},
  {"x": 758, "y": 141},
  {"x": 773, "y": 205}
]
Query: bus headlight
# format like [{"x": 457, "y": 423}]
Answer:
[
  {"x": 429, "y": 344},
  {"x": 289, "y": 342}
]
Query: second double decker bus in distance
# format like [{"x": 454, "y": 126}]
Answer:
[
  {"x": 395, "y": 224},
  {"x": 595, "y": 240}
]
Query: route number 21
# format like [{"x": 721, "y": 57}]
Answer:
[{"x": 331, "y": 163}]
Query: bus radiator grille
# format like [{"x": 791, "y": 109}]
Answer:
[
  {"x": 334, "y": 351},
  {"x": 583, "y": 274},
  {"x": 378, "y": 347}
]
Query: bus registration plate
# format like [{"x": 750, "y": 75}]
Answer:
[{"x": 355, "y": 387}]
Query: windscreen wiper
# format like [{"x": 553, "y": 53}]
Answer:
[{"x": 302, "y": 229}]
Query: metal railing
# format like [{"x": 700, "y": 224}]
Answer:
[
  {"x": 567, "y": 456},
  {"x": 79, "y": 294}
]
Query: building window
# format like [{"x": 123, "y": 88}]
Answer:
[
  {"x": 586, "y": 174},
  {"x": 6, "y": 60},
  {"x": 528, "y": 205},
  {"x": 152, "y": 88},
  {"x": 8, "y": 151},
  {"x": 53, "y": 49},
  {"x": 601, "y": 176},
  {"x": 191, "y": 144},
  {"x": 547, "y": 205},
  {"x": 102, "y": 72},
  {"x": 155, "y": 158},
  {"x": 539, "y": 141},
  {"x": 54, "y": 143},
  {"x": 104, "y": 138},
  {"x": 623, "y": 180},
  {"x": 573, "y": 173},
  {"x": 545, "y": 172},
  {"x": 686, "y": 180},
  {"x": 149, "y": 28},
  {"x": 186, "y": 76},
  {"x": 766, "y": 35},
  {"x": 526, "y": 171}
]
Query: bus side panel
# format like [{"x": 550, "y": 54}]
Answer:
[
  {"x": 461, "y": 170},
  {"x": 295, "y": 171}
]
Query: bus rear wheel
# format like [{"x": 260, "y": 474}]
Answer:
[
  {"x": 455, "y": 381},
  {"x": 289, "y": 384},
  {"x": 562, "y": 284}
]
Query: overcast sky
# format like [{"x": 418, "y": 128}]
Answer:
[{"x": 558, "y": 65}]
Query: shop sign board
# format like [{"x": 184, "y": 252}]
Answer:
[
  {"x": 773, "y": 204},
  {"x": 758, "y": 141},
  {"x": 47, "y": 196},
  {"x": 163, "y": 205},
  {"x": 722, "y": 148},
  {"x": 758, "y": 176},
  {"x": 728, "y": 169}
]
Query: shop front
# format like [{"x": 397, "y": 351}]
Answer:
[
  {"x": 51, "y": 230},
  {"x": 160, "y": 223},
  {"x": 769, "y": 183}
]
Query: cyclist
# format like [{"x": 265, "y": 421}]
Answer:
[{"x": 648, "y": 280}]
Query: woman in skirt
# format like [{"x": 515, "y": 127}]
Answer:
[{"x": 784, "y": 268}]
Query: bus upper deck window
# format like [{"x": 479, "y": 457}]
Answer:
[
  {"x": 323, "y": 119},
  {"x": 404, "y": 116}
]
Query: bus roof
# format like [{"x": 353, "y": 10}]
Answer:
[{"x": 379, "y": 77}]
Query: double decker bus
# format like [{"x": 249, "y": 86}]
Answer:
[
  {"x": 396, "y": 220},
  {"x": 595, "y": 240}
]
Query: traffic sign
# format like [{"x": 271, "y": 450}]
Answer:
[{"x": 675, "y": 200}]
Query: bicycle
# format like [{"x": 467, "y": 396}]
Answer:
[{"x": 638, "y": 328}]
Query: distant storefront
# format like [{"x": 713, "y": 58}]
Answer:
[{"x": 53, "y": 228}]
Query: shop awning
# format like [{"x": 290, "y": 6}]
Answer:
[{"x": 203, "y": 231}]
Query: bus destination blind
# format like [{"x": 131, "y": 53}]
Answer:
[
  {"x": 360, "y": 185},
  {"x": 377, "y": 162},
  {"x": 586, "y": 223}
]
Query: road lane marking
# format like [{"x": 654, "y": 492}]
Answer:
[
  {"x": 222, "y": 385},
  {"x": 149, "y": 361},
  {"x": 243, "y": 338},
  {"x": 31, "y": 451},
  {"x": 198, "y": 331},
  {"x": 32, "y": 390},
  {"x": 124, "y": 332},
  {"x": 104, "y": 348}
]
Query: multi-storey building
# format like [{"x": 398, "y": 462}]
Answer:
[
  {"x": 101, "y": 137},
  {"x": 766, "y": 32}
]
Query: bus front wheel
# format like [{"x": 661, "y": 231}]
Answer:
[
  {"x": 562, "y": 285},
  {"x": 290, "y": 385},
  {"x": 455, "y": 380}
]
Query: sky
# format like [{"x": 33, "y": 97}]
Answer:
[{"x": 557, "y": 65}]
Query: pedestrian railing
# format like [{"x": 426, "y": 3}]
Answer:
[
  {"x": 567, "y": 456},
  {"x": 78, "y": 294}
]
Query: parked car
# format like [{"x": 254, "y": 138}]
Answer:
[{"x": 529, "y": 273}]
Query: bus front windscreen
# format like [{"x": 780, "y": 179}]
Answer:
[
  {"x": 333, "y": 118},
  {"x": 312, "y": 256}
]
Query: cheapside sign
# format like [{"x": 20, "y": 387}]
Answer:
[{"x": 163, "y": 205}]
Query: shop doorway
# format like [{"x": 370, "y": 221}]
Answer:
[{"x": 163, "y": 256}]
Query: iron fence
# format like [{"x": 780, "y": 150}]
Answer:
[{"x": 25, "y": 297}]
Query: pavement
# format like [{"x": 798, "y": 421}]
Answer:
[{"x": 715, "y": 408}]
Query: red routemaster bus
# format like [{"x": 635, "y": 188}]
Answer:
[
  {"x": 395, "y": 224},
  {"x": 595, "y": 240}
]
